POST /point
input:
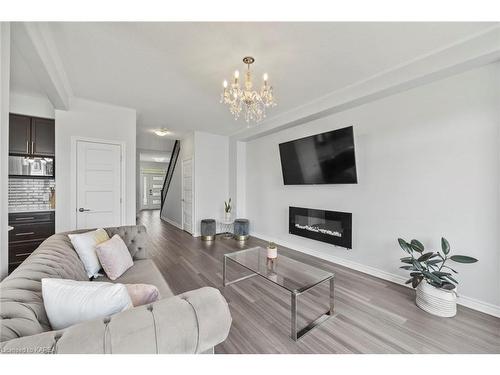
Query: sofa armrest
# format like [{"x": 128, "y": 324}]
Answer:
[
  {"x": 192, "y": 322},
  {"x": 135, "y": 237}
]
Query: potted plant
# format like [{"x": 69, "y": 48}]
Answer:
[
  {"x": 432, "y": 277},
  {"x": 272, "y": 250},
  {"x": 227, "y": 210}
]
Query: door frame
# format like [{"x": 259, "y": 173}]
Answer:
[
  {"x": 73, "y": 175},
  {"x": 193, "y": 229}
]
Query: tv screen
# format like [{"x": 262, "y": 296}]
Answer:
[{"x": 326, "y": 158}]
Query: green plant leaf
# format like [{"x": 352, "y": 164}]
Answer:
[
  {"x": 409, "y": 281},
  {"x": 439, "y": 273},
  {"x": 416, "y": 281},
  {"x": 417, "y": 265},
  {"x": 424, "y": 257},
  {"x": 406, "y": 267},
  {"x": 434, "y": 261},
  {"x": 432, "y": 277},
  {"x": 404, "y": 245},
  {"x": 463, "y": 259},
  {"x": 417, "y": 246},
  {"x": 451, "y": 279},
  {"x": 445, "y": 246},
  {"x": 409, "y": 261},
  {"x": 415, "y": 274},
  {"x": 451, "y": 269}
]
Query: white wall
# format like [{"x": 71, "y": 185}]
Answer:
[
  {"x": 211, "y": 181},
  {"x": 4, "y": 143},
  {"x": 210, "y": 155},
  {"x": 428, "y": 166},
  {"x": 31, "y": 105},
  {"x": 172, "y": 210},
  {"x": 96, "y": 120},
  {"x": 237, "y": 176}
]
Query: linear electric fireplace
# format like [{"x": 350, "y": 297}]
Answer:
[{"x": 326, "y": 226}]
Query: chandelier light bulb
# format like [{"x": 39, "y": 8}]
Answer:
[
  {"x": 236, "y": 74},
  {"x": 224, "y": 84},
  {"x": 265, "y": 77}
]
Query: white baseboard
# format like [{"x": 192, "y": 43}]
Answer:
[
  {"x": 469, "y": 302},
  {"x": 174, "y": 223}
]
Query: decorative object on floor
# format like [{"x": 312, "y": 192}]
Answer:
[
  {"x": 226, "y": 229},
  {"x": 436, "y": 287},
  {"x": 208, "y": 230},
  {"x": 252, "y": 102},
  {"x": 272, "y": 251},
  {"x": 227, "y": 210},
  {"x": 241, "y": 229}
]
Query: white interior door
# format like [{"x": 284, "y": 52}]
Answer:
[
  {"x": 98, "y": 181},
  {"x": 187, "y": 195}
]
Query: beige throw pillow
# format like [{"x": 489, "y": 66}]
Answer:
[
  {"x": 114, "y": 257},
  {"x": 142, "y": 294}
]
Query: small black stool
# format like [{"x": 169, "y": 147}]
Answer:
[
  {"x": 241, "y": 229},
  {"x": 208, "y": 230}
]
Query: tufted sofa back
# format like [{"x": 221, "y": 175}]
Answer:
[{"x": 22, "y": 312}]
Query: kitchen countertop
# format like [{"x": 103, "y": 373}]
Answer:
[{"x": 27, "y": 210}]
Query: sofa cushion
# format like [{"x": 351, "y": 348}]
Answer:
[
  {"x": 144, "y": 271},
  {"x": 22, "y": 312}
]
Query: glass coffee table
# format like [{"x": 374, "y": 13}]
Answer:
[{"x": 290, "y": 274}]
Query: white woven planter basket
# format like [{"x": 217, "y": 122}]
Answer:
[{"x": 436, "y": 301}]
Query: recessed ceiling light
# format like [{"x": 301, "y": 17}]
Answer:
[
  {"x": 161, "y": 132},
  {"x": 159, "y": 160}
]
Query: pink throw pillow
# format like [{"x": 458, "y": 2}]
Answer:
[
  {"x": 114, "y": 257},
  {"x": 142, "y": 294}
]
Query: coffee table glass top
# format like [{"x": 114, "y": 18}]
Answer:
[{"x": 286, "y": 272}]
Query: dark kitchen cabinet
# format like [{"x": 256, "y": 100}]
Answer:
[
  {"x": 19, "y": 134},
  {"x": 42, "y": 136},
  {"x": 31, "y": 135},
  {"x": 30, "y": 230}
]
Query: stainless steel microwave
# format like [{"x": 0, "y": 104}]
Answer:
[{"x": 20, "y": 166}]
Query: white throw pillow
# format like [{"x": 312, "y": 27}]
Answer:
[
  {"x": 68, "y": 302},
  {"x": 84, "y": 244}
]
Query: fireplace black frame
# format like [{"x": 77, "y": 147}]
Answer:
[{"x": 344, "y": 217}]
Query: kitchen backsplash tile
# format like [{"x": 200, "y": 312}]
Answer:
[{"x": 29, "y": 194}]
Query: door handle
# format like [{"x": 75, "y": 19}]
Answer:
[
  {"x": 32, "y": 147},
  {"x": 27, "y": 146},
  {"x": 83, "y": 209}
]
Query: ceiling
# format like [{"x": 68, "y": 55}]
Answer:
[{"x": 171, "y": 73}]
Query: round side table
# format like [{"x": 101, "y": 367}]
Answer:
[{"x": 226, "y": 228}]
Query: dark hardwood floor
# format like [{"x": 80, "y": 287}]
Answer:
[{"x": 371, "y": 315}]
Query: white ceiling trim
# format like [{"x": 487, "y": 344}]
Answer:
[
  {"x": 478, "y": 50},
  {"x": 44, "y": 59}
]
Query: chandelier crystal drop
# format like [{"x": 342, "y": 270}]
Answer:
[{"x": 244, "y": 98}]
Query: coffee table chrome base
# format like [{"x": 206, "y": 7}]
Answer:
[
  {"x": 295, "y": 334},
  {"x": 298, "y": 334}
]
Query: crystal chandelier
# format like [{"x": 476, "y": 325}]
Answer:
[{"x": 245, "y": 98}]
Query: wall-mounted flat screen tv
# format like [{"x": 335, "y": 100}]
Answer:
[{"x": 326, "y": 158}]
